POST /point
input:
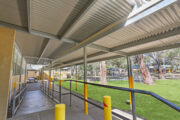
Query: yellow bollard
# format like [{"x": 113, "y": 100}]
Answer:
[
  {"x": 107, "y": 108},
  {"x": 59, "y": 112},
  {"x": 85, "y": 97},
  {"x": 42, "y": 79},
  {"x": 60, "y": 82},
  {"x": 14, "y": 85},
  {"x": 169, "y": 70}
]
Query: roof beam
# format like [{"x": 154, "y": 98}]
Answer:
[
  {"x": 29, "y": 14},
  {"x": 99, "y": 47},
  {"x": 89, "y": 56},
  {"x": 118, "y": 56},
  {"x": 33, "y": 60},
  {"x": 105, "y": 49},
  {"x": 118, "y": 25},
  {"x": 34, "y": 32},
  {"x": 155, "y": 49},
  {"x": 77, "y": 18},
  {"x": 89, "y": 61},
  {"x": 43, "y": 50}
]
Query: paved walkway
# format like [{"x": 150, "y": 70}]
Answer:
[
  {"x": 37, "y": 106},
  {"x": 34, "y": 101}
]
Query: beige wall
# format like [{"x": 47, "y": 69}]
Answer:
[
  {"x": 32, "y": 74},
  {"x": 22, "y": 79},
  {"x": 7, "y": 37}
]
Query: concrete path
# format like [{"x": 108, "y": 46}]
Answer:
[
  {"x": 71, "y": 114},
  {"x": 34, "y": 101},
  {"x": 37, "y": 106}
]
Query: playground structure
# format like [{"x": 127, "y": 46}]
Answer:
[{"x": 85, "y": 31}]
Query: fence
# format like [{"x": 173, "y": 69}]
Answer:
[
  {"x": 50, "y": 93},
  {"x": 17, "y": 98}
]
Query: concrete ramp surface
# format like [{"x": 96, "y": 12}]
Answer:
[{"x": 38, "y": 106}]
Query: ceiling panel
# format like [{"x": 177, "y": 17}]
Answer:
[
  {"x": 14, "y": 12},
  {"x": 50, "y": 15},
  {"x": 29, "y": 45}
]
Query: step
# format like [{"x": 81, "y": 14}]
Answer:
[{"x": 125, "y": 114}]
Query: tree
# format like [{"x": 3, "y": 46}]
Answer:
[
  {"x": 157, "y": 56},
  {"x": 147, "y": 79},
  {"x": 103, "y": 72}
]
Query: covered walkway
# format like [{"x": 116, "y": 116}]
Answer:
[{"x": 62, "y": 33}]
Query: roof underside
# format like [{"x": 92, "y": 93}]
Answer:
[{"x": 55, "y": 31}]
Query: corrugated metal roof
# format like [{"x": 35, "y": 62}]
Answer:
[
  {"x": 162, "y": 21},
  {"x": 101, "y": 14},
  {"x": 159, "y": 22},
  {"x": 50, "y": 15},
  {"x": 54, "y": 17}
]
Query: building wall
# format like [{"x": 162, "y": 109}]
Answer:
[
  {"x": 7, "y": 39},
  {"x": 32, "y": 74}
]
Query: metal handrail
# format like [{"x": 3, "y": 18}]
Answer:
[
  {"x": 21, "y": 91},
  {"x": 15, "y": 97},
  {"x": 170, "y": 104}
]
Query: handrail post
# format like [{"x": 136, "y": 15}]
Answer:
[
  {"x": 60, "y": 88},
  {"x": 49, "y": 85},
  {"x": 53, "y": 90},
  {"x": 133, "y": 106},
  {"x": 107, "y": 108},
  {"x": 14, "y": 99},
  {"x": 46, "y": 87},
  {"x": 70, "y": 92}
]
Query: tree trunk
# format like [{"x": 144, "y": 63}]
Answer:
[
  {"x": 103, "y": 73},
  {"x": 147, "y": 79},
  {"x": 161, "y": 75}
]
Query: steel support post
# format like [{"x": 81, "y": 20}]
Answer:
[
  {"x": 60, "y": 89},
  {"x": 45, "y": 86},
  {"x": 133, "y": 106},
  {"x": 76, "y": 77},
  {"x": 42, "y": 76},
  {"x": 130, "y": 79},
  {"x": 20, "y": 73},
  {"x": 85, "y": 80},
  {"x": 70, "y": 92},
  {"x": 60, "y": 74},
  {"x": 49, "y": 84},
  {"x": 53, "y": 90}
]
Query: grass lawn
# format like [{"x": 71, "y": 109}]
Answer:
[{"x": 146, "y": 106}]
